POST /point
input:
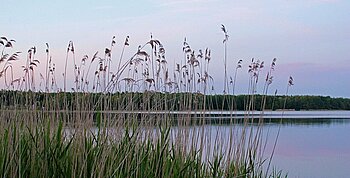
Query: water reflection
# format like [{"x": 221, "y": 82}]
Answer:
[
  {"x": 313, "y": 147},
  {"x": 306, "y": 147},
  {"x": 307, "y": 121}
]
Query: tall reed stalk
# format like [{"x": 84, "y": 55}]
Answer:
[{"x": 132, "y": 122}]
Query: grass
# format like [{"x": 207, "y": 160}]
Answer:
[
  {"x": 104, "y": 148},
  {"x": 56, "y": 133}
]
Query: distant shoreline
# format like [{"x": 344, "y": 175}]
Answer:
[
  {"x": 173, "y": 100},
  {"x": 321, "y": 114}
]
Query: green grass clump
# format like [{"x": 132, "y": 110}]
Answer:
[
  {"x": 53, "y": 148},
  {"x": 117, "y": 121}
]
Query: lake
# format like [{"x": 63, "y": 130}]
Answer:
[
  {"x": 318, "y": 148},
  {"x": 310, "y": 144}
]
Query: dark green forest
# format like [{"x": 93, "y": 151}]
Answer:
[{"x": 167, "y": 101}]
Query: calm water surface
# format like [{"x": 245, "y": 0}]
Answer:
[
  {"x": 310, "y": 144},
  {"x": 318, "y": 148}
]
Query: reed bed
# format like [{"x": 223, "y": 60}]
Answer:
[{"x": 48, "y": 130}]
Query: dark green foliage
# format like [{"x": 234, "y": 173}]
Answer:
[
  {"x": 45, "y": 150},
  {"x": 100, "y": 131},
  {"x": 168, "y": 101}
]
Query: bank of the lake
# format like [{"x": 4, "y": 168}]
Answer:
[{"x": 174, "y": 101}]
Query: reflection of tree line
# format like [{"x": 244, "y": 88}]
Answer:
[
  {"x": 313, "y": 122},
  {"x": 171, "y": 101},
  {"x": 275, "y": 121}
]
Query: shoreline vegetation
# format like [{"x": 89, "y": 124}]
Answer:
[
  {"x": 37, "y": 140},
  {"x": 213, "y": 102}
]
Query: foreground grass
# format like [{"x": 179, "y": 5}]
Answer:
[
  {"x": 56, "y": 133},
  {"x": 56, "y": 148}
]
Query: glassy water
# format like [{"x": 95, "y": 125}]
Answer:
[
  {"x": 315, "y": 148},
  {"x": 310, "y": 144},
  {"x": 311, "y": 148}
]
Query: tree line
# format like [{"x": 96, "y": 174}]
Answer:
[{"x": 167, "y": 101}]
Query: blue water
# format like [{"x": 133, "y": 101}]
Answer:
[
  {"x": 318, "y": 149},
  {"x": 311, "y": 144},
  {"x": 314, "y": 146},
  {"x": 309, "y": 147}
]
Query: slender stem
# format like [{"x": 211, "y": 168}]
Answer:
[{"x": 65, "y": 73}]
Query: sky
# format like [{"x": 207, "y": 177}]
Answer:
[{"x": 309, "y": 38}]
